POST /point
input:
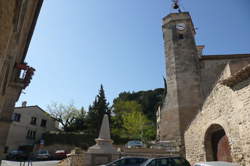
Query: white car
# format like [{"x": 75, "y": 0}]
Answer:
[{"x": 216, "y": 163}]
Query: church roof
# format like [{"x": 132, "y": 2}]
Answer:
[
  {"x": 226, "y": 56},
  {"x": 238, "y": 77}
]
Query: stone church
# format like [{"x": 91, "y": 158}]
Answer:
[{"x": 206, "y": 114}]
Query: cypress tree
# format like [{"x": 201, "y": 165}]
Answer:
[{"x": 96, "y": 112}]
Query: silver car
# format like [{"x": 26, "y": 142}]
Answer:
[
  {"x": 127, "y": 161},
  {"x": 166, "y": 161},
  {"x": 134, "y": 144},
  {"x": 216, "y": 163}
]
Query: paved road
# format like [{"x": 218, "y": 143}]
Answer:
[{"x": 34, "y": 163}]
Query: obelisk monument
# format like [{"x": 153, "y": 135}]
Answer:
[{"x": 103, "y": 142}]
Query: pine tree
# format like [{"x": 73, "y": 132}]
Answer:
[{"x": 96, "y": 112}]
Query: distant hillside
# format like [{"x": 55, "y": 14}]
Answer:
[{"x": 150, "y": 100}]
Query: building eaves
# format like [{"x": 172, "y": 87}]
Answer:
[
  {"x": 37, "y": 11},
  {"x": 224, "y": 57},
  {"x": 36, "y": 106}
]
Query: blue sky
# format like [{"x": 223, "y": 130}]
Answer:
[{"x": 78, "y": 45}]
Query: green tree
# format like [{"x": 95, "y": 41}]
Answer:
[
  {"x": 129, "y": 122},
  {"x": 96, "y": 112},
  {"x": 65, "y": 114},
  {"x": 120, "y": 109},
  {"x": 135, "y": 125},
  {"x": 149, "y": 100},
  {"x": 79, "y": 124}
]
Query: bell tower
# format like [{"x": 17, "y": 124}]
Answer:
[{"x": 183, "y": 79}]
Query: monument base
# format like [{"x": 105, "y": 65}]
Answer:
[
  {"x": 93, "y": 159},
  {"x": 102, "y": 146}
]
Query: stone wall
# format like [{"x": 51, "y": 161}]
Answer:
[
  {"x": 53, "y": 148},
  {"x": 243, "y": 93},
  {"x": 17, "y": 20},
  {"x": 85, "y": 159},
  {"x": 183, "y": 78},
  {"x": 211, "y": 69},
  {"x": 148, "y": 152},
  {"x": 193, "y": 85},
  {"x": 229, "y": 108},
  {"x": 210, "y": 73}
]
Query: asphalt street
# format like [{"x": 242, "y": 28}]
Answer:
[{"x": 34, "y": 163}]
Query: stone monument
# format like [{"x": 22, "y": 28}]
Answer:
[
  {"x": 103, "y": 142},
  {"x": 103, "y": 151}
]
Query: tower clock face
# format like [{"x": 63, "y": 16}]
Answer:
[{"x": 180, "y": 26}]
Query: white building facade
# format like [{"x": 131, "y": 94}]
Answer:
[{"x": 28, "y": 125}]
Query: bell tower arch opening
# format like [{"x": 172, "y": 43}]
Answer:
[{"x": 217, "y": 144}]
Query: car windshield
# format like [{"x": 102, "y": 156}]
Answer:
[
  {"x": 128, "y": 161},
  {"x": 173, "y": 161},
  {"x": 180, "y": 162},
  {"x": 146, "y": 162}
]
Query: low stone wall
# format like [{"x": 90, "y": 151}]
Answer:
[
  {"x": 87, "y": 159},
  {"x": 53, "y": 148},
  {"x": 76, "y": 160},
  {"x": 81, "y": 158},
  {"x": 64, "y": 162},
  {"x": 148, "y": 152},
  {"x": 75, "y": 139}
]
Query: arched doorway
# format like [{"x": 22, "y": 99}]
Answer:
[{"x": 217, "y": 145}]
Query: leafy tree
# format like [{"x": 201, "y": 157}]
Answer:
[
  {"x": 149, "y": 100},
  {"x": 96, "y": 112},
  {"x": 65, "y": 114},
  {"x": 146, "y": 102},
  {"x": 79, "y": 124},
  {"x": 135, "y": 124},
  {"x": 120, "y": 109},
  {"x": 129, "y": 122}
]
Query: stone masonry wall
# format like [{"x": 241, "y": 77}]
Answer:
[
  {"x": 183, "y": 78},
  {"x": 244, "y": 117},
  {"x": 17, "y": 20},
  {"x": 211, "y": 71},
  {"x": 229, "y": 108}
]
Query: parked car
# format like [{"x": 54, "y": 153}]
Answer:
[
  {"x": 216, "y": 163},
  {"x": 160, "y": 145},
  {"x": 59, "y": 155},
  {"x": 134, "y": 144},
  {"x": 42, "y": 155},
  {"x": 127, "y": 161},
  {"x": 166, "y": 161},
  {"x": 17, "y": 155}
]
